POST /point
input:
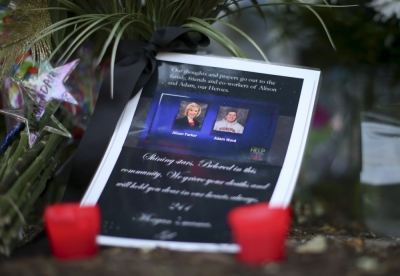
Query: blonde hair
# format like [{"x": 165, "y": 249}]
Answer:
[{"x": 192, "y": 105}]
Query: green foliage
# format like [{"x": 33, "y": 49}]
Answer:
[
  {"x": 113, "y": 20},
  {"x": 26, "y": 185},
  {"x": 358, "y": 36},
  {"x": 24, "y": 175}
]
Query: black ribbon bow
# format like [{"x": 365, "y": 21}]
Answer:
[{"x": 135, "y": 63}]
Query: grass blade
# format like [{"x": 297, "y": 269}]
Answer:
[{"x": 208, "y": 30}]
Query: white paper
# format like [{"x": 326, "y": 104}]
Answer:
[{"x": 283, "y": 189}]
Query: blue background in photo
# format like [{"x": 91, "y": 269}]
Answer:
[{"x": 258, "y": 131}]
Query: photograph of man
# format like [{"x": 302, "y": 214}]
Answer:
[
  {"x": 229, "y": 123},
  {"x": 191, "y": 112}
]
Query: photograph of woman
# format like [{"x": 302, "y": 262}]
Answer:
[{"x": 192, "y": 111}]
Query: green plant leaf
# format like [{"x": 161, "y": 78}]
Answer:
[
  {"x": 243, "y": 34},
  {"x": 285, "y": 4},
  {"x": 323, "y": 25},
  {"x": 56, "y": 15},
  {"x": 66, "y": 39},
  {"x": 78, "y": 41},
  {"x": 208, "y": 30},
  {"x": 258, "y": 8},
  {"x": 113, "y": 54},
  {"x": 74, "y": 7},
  {"x": 110, "y": 36}
]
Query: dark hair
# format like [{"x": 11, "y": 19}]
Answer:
[{"x": 231, "y": 110}]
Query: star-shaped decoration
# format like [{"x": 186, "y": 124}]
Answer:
[
  {"x": 49, "y": 83},
  {"x": 48, "y": 123},
  {"x": 37, "y": 117}
]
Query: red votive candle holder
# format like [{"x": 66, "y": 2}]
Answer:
[
  {"x": 72, "y": 230},
  {"x": 261, "y": 232}
]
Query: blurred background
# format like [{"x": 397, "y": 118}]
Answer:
[{"x": 359, "y": 73}]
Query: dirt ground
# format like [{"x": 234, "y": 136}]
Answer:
[{"x": 327, "y": 246}]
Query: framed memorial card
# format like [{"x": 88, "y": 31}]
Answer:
[{"x": 205, "y": 135}]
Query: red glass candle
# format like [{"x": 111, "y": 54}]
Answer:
[
  {"x": 72, "y": 230},
  {"x": 260, "y": 231}
]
